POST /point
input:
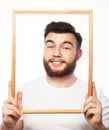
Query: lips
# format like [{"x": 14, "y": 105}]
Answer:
[{"x": 56, "y": 63}]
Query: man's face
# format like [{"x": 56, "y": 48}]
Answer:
[{"x": 60, "y": 54}]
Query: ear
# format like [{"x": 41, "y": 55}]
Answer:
[{"x": 79, "y": 54}]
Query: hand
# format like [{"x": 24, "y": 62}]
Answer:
[
  {"x": 11, "y": 110},
  {"x": 93, "y": 110}
]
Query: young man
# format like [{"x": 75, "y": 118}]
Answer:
[{"x": 59, "y": 89}]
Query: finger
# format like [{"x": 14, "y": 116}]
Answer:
[
  {"x": 85, "y": 102},
  {"x": 89, "y": 113},
  {"x": 91, "y": 98},
  {"x": 9, "y": 88},
  {"x": 19, "y": 99},
  {"x": 94, "y": 91},
  {"x": 86, "y": 96},
  {"x": 11, "y": 101},
  {"x": 88, "y": 106},
  {"x": 12, "y": 111}
]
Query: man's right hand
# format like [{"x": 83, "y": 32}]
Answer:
[{"x": 11, "y": 111}]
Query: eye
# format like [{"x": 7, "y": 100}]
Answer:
[
  {"x": 49, "y": 46},
  {"x": 67, "y": 45},
  {"x": 67, "y": 48}
]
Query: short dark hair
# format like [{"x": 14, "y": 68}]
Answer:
[{"x": 63, "y": 27}]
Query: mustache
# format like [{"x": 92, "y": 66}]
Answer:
[{"x": 56, "y": 60}]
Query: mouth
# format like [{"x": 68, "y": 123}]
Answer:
[{"x": 56, "y": 63}]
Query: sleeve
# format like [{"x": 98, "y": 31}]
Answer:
[{"x": 105, "y": 107}]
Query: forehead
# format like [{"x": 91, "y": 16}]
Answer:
[{"x": 61, "y": 37}]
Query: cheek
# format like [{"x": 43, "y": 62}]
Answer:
[
  {"x": 69, "y": 56},
  {"x": 47, "y": 55}
]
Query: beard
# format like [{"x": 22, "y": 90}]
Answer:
[{"x": 68, "y": 69}]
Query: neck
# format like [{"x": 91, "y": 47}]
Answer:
[{"x": 62, "y": 82}]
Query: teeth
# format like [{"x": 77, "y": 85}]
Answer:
[{"x": 56, "y": 62}]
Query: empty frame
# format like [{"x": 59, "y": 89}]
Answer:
[{"x": 28, "y": 27}]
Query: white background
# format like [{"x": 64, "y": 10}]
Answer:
[
  {"x": 30, "y": 43},
  {"x": 100, "y": 36}
]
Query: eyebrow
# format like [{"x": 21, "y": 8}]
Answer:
[
  {"x": 65, "y": 42},
  {"x": 49, "y": 41}
]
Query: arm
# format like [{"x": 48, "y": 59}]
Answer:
[
  {"x": 102, "y": 127},
  {"x": 93, "y": 111},
  {"x": 18, "y": 126}
]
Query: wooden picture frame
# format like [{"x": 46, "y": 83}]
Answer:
[{"x": 89, "y": 13}]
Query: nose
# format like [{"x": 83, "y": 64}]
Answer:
[{"x": 57, "y": 52}]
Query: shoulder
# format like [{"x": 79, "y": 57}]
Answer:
[
  {"x": 101, "y": 96},
  {"x": 84, "y": 85},
  {"x": 81, "y": 84}
]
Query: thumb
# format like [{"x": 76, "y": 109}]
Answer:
[
  {"x": 94, "y": 90},
  {"x": 86, "y": 96},
  {"x": 19, "y": 99},
  {"x": 9, "y": 88}
]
